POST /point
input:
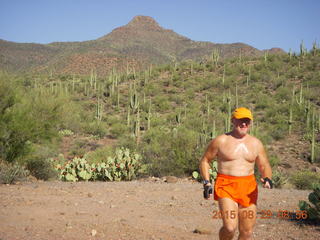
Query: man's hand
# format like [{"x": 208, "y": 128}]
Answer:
[
  {"x": 207, "y": 191},
  {"x": 267, "y": 182}
]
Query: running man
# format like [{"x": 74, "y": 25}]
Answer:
[{"x": 235, "y": 187}]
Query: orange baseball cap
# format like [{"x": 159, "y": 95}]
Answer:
[{"x": 242, "y": 112}]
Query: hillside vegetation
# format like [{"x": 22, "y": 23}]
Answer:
[{"x": 167, "y": 114}]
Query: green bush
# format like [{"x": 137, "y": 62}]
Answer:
[
  {"x": 305, "y": 179},
  {"x": 278, "y": 179},
  {"x": 79, "y": 147},
  {"x": 118, "y": 129},
  {"x": 171, "y": 152},
  {"x": 27, "y": 116},
  {"x": 278, "y": 131},
  {"x": 41, "y": 168},
  {"x": 99, "y": 155},
  {"x": 96, "y": 128},
  {"x": 11, "y": 172},
  {"x": 274, "y": 161}
]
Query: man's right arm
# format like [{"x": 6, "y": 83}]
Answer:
[{"x": 208, "y": 156}]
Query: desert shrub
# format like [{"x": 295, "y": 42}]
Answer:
[
  {"x": 28, "y": 116},
  {"x": 173, "y": 152},
  {"x": 118, "y": 129},
  {"x": 78, "y": 147},
  {"x": 274, "y": 161},
  {"x": 161, "y": 103},
  {"x": 99, "y": 155},
  {"x": 305, "y": 179},
  {"x": 279, "y": 131},
  {"x": 41, "y": 168},
  {"x": 96, "y": 128},
  {"x": 262, "y": 103},
  {"x": 279, "y": 179},
  {"x": 11, "y": 172},
  {"x": 283, "y": 94}
]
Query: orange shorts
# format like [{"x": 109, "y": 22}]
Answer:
[{"x": 242, "y": 190}]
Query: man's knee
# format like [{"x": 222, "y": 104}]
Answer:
[
  {"x": 246, "y": 233},
  {"x": 230, "y": 229}
]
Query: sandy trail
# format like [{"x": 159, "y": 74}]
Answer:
[{"x": 133, "y": 210}]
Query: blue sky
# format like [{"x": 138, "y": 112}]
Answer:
[{"x": 260, "y": 23}]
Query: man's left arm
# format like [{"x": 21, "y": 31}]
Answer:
[{"x": 264, "y": 167}]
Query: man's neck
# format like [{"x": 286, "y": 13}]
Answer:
[{"x": 237, "y": 135}]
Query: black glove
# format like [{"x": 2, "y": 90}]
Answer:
[
  {"x": 266, "y": 179},
  {"x": 207, "y": 190}
]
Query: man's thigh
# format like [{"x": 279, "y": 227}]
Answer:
[
  {"x": 229, "y": 212},
  {"x": 247, "y": 217}
]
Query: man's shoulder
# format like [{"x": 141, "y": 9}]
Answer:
[
  {"x": 219, "y": 139},
  {"x": 254, "y": 139}
]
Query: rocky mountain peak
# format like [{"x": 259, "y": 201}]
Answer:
[{"x": 143, "y": 22}]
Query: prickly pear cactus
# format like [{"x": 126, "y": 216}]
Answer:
[
  {"x": 212, "y": 172},
  {"x": 313, "y": 209},
  {"x": 123, "y": 166}
]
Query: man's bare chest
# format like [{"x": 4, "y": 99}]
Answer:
[{"x": 236, "y": 150}]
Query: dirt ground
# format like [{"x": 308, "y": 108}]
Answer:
[{"x": 141, "y": 209}]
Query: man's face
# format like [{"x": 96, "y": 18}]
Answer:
[{"x": 241, "y": 126}]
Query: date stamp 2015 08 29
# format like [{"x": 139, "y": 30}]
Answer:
[{"x": 262, "y": 214}]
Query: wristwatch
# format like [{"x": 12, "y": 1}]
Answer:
[{"x": 205, "y": 182}]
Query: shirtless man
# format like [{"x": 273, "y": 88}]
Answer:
[{"x": 235, "y": 186}]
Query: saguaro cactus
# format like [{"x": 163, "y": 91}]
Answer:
[
  {"x": 290, "y": 122},
  {"x": 313, "y": 144},
  {"x": 178, "y": 118},
  {"x": 224, "y": 74},
  {"x": 99, "y": 109},
  {"x": 215, "y": 56},
  {"x": 249, "y": 76},
  {"x": 303, "y": 50},
  {"x": 137, "y": 127},
  {"x": 128, "y": 117},
  {"x": 149, "y": 115},
  {"x": 134, "y": 101}
]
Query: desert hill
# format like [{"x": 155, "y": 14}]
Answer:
[{"x": 139, "y": 43}]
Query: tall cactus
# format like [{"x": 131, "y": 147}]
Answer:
[
  {"x": 290, "y": 53},
  {"x": 249, "y": 76},
  {"x": 213, "y": 131},
  {"x": 314, "y": 48},
  {"x": 237, "y": 100},
  {"x": 149, "y": 115},
  {"x": 137, "y": 127},
  {"x": 313, "y": 144},
  {"x": 178, "y": 118},
  {"x": 290, "y": 122},
  {"x": 128, "y": 117},
  {"x": 303, "y": 50},
  {"x": 224, "y": 74},
  {"x": 228, "y": 118},
  {"x": 265, "y": 56},
  {"x": 99, "y": 109},
  {"x": 118, "y": 97},
  {"x": 215, "y": 56},
  {"x": 134, "y": 101},
  {"x": 300, "y": 100}
]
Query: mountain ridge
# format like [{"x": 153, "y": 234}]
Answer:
[{"x": 141, "y": 41}]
